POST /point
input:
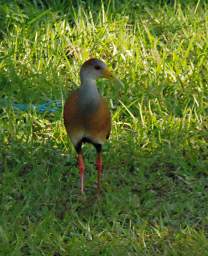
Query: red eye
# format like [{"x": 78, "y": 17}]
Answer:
[{"x": 97, "y": 67}]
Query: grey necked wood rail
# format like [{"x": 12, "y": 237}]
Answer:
[{"x": 87, "y": 118}]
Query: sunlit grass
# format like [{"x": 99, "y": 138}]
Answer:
[{"x": 154, "y": 199}]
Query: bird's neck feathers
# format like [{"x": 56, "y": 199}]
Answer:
[
  {"x": 89, "y": 95},
  {"x": 88, "y": 88}
]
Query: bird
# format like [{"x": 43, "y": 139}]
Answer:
[{"x": 87, "y": 117}]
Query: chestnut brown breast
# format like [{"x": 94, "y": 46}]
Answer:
[{"x": 94, "y": 125}]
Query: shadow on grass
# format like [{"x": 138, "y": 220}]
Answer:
[
  {"x": 27, "y": 12},
  {"x": 145, "y": 190}
]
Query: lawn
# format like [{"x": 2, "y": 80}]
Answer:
[{"x": 154, "y": 198}]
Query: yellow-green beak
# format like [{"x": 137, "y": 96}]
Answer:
[{"x": 107, "y": 73}]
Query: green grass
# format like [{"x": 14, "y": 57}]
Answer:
[{"x": 154, "y": 199}]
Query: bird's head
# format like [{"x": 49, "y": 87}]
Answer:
[{"x": 93, "y": 69}]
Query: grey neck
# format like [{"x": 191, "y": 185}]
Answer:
[{"x": 89, "y": 95}]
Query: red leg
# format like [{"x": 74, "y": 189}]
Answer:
[
  {"x": 81, "y": 167},
  {"x": 99, "y": 167}
]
